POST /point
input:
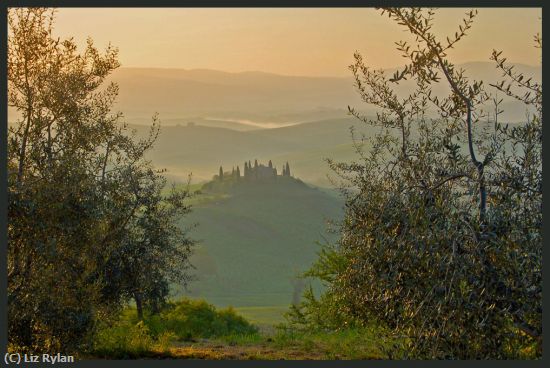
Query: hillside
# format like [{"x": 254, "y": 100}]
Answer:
[
  {"x": 200, "y": 149},
  {"x": 263, "y": 98},
  {"x": 255, "y": 237},
  {"x": 178, "y": 93}
]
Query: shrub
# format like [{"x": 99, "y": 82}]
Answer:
[
  {"x": 124, "y": 340},
  {"x": 182, "y": 320},
  {"x": 191, "y": 319}
]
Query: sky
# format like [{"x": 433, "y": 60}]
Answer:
[{"x": 289, "y": 41}]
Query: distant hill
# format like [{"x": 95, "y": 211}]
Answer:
[
  {"x": 176, "y": 93},
  {"x": 200, "y": 150},
  {"x": 262, "y": 97},
  {"x": 255, "y": 238}
]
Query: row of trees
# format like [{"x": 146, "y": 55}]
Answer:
[
  {"x": 256, "y": 171},
  {"x": 89, "y": 225},
  {"x": 441, "y": 241}
]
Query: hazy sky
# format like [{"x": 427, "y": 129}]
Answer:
[{"x": 292, "y": 41}]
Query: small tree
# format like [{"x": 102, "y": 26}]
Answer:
[{"x": 157, "y": 249}]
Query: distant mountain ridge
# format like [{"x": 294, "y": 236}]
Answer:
[
  {"x": 261, "y": 96},
  {"x": 179, "y": 93}
]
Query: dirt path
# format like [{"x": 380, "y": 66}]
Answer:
[{"x": 210, "y": 350}]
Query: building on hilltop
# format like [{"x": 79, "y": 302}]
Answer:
[{"x": 258, "y": 171}]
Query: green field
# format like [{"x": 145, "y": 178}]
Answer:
[{"x": 263, "y": 315}]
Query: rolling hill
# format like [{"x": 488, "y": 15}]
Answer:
[
  {"x": 200, "y": 149},
  {"x": 265, "y": 97},
  {"x": 255, "y": 237},
  {"x": 176, "y": 93}
]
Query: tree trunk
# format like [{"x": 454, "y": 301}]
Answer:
[
  {"x": 139, "y": 305},
  {"x": 482, "y": 194}
]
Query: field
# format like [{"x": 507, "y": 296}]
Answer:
[{"x": 263, "y": 316}]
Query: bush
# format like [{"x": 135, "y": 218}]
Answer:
[
  {"x": 124, "y": 340},
  {"x": 191, "y": 319},
  {"x": 348, "y": 343},
  {"x": 183, "y": 320}
]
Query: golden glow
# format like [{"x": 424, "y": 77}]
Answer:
[{"x": 292, "y": 41}]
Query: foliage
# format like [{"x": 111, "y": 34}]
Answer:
[
  {"x": 183, "y": 320},
  {"x": 191, "y": 319},
  {"x": 165, "y": 334},
  {"x": 155, "y": 249},
  {"x": 349, "y": 343},
  {"x": 441, "y": 241},
  {"x": 124, "y": 340},
  {"x": 83, "y": 201}
]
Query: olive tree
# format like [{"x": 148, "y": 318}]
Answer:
[
  {"x": 78, "y": 185},
  {"x": 441, "y": 240}
]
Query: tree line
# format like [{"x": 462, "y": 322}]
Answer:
[{"x": 256, "y": 171}]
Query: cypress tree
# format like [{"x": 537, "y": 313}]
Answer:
[
  {"x": 287, "y": 169},
  {"x": 238, "y": 172},
  {"x": 270, "y": 165},
  {"x": 221, "y": 174}
]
